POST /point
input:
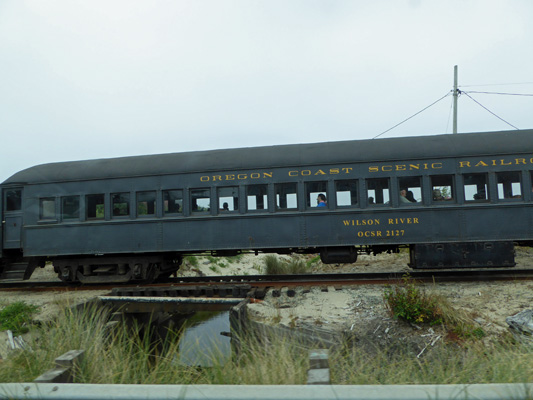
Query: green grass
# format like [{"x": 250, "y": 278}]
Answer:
[{"x": 17, "y": 317}]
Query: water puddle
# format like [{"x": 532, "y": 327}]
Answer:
[{"x": 202, "y": 344}]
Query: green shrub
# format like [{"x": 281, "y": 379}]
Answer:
[
  {"x": 17, "y": 317},
  {"x": 406, "y": 301},
  {"x": 273, "y": 266}
]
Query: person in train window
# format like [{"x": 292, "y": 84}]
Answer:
[
  {"x": 437, "y": 195},
  {"x": 403, "y": 196},
  {"x": 225, "y": 207},
  {"x": 410, "y": 196},
  {"x": 321, "y": 200},
  {"x": 370, "y": 200}
]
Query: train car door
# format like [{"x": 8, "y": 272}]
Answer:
[{"x": 12, "y": 218}]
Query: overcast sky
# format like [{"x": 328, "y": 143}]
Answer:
[{"x": 98, "y": 79}]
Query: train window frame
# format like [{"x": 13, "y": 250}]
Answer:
[
  {"x": 67, "y": 215},
  {"x": 148, "y": 199},
  {"x": 312, "y": 190},
  {"x": 262, "y": 194},
  {"x": 412, "y": 184},
  {"x": 124, "y": 199},
  {"x": 516, "y": 192},
  {"x": 228, "y": 199},
  {"x": 527, "y": 190},
  {"x": 369, "y": 188},
  {"x": 13, "y": 200},
  {"x": 279, "y": 192},
  {"x": 177, "y": 200},
  {"x": 203, "y": 194},
  {"x": 440, "y": 185},
  {"x": 354, "y": 183},
  {"x": 90, "y": 205},
  {"x": 480, "y": 196},
  {"x": 47, "y": 209}
]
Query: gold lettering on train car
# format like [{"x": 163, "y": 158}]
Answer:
[
  {"x": 495, "y": 162},
  {"x": 361, "y": 222},
  {"x": 232, "y": 177},
  {"x": 404, "y": 167},
  {"x": 402, "y": 221},
  {"x": 331, "y": 171},
  {"x": 368, "y": 234}
]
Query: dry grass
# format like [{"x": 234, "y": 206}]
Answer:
[{"x": 128, "y": 356}]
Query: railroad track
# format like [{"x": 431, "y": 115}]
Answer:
[{"x": 276, "y": 281}]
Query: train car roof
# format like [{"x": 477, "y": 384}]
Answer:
[{"x": 389, "y": 149}]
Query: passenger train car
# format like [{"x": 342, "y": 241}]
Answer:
[{"x": 458, "y": 200}]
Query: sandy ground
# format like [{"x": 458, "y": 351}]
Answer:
[{"x": 360, "y": 310}]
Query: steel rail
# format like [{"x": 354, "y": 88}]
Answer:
[{"x": 439, "y": 276}]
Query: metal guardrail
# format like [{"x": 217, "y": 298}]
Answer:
[{"x": 44, "y": 391}]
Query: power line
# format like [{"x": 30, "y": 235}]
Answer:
[
  {"x": 414, "y": 115},
  {"x": 505, "y": 94},
  {"x": 465, "y": 93},
  {"x": 498, "y": 84}
]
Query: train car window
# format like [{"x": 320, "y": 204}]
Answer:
[
  {"x": 47, "y": 208},
  {"x": 286, "y": 196},
  {"x": 346, "y": 193},
  {"x": 256, "y": 197},
  {"x": 475, "y": 186},
  {"x": 442, "y": 188},
  {"x": 70, "y": 207},
  {"x": 228, "y": 199},
  {"x": 410, "y": 190},
  {"x": 200, "y": 200},
  {"x": 145, "y": 203},
  {"x": 316, "y": 194},
  {"x": 173, "y": 202},
  {"x": 13, "y": 200},
  {"x": 120, "y": 204},
  {"x": 509, "y": 185},
  {"x": 95, "y": 206},
  {"x": 378, "y": 191}
]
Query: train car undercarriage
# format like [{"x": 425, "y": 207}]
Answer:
[{"x": 154, "y": 266}]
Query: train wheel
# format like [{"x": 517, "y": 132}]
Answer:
[
  {"x": 66, "y": 274},
  {"x": 152, "y": 272}
]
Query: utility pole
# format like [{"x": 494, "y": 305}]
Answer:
[{"x": 455, "y": 96}]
